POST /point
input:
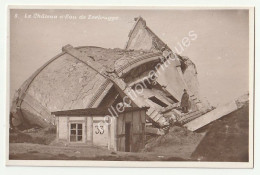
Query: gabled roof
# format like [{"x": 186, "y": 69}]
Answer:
[
  {"x": 157, "y": 43},
  {"x": 140, "y": 20}
]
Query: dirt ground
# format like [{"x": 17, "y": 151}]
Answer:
[
  {"x": 226, "y": 139},
  {"x": 177, "y": 145},
  {"x": 179, "y": 142},
  {"x": 29, "y": 151}
]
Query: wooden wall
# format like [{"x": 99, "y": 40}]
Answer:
[
  {"x": 137, "y": 135},
  {"x": 120, "y": 133}
]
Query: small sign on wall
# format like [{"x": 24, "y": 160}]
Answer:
[{"x": 100, "y": 133}]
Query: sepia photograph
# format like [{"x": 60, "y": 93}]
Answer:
[{"x": 145, "y": 87}]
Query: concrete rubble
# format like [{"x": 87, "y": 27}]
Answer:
[{"x": 217, "y": 113}]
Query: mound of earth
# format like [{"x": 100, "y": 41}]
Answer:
[
  {"x": 178, "y": 142},
  {"x": 226, "y": 139},
  {"x": 34, "y": 135}
]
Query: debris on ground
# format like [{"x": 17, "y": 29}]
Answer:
[
  {"x": 178, "y": 142},
  {"x": 152, "y": 130},
  {"x": 31, "y": 130},
  {"x": 33, "y": 135}
]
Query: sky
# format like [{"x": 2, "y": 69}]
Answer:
[{"x": 220, "y": 51}]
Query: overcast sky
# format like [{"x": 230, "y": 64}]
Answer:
[{"x": 220, "y": 51}]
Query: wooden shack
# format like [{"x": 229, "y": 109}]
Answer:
[{"x": 98, "y": 126}]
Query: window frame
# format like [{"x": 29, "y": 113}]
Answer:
[{"x": 77, "y": 130}]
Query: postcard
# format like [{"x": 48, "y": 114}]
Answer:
[{"x": 131, "y": 86}]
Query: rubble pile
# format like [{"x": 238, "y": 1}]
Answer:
[{"x": 177, "y": 136}]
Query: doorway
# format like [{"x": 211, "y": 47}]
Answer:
[{"x": 127, "y": 137}]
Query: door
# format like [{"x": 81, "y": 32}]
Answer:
[{"x": 127, "y": 137}]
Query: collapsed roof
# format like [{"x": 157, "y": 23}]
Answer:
[{"x": 68, "y": 81}]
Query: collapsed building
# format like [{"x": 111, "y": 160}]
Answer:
[{"x": 146, "y": 71}]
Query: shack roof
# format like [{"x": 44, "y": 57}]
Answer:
[{"x": 89, "y": 112}]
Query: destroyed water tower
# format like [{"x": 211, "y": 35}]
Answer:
[{"x": 89, "y": 77}]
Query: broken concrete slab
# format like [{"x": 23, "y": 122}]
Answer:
[{"x": 217, "y": 113}]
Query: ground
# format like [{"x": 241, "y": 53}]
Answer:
[
  {"x": 223, "y": 140},
  {"x": 226, "y": 139},
  {"x": 29, "y": 151},
  {"x": 178, "y": 142},
  {"x": 177, "y": 145}
]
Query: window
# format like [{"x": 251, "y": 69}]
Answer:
[{"x": 76, "y": 132}]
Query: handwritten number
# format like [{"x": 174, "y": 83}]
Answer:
[{"x": 100, "y": 130}]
